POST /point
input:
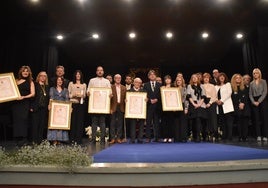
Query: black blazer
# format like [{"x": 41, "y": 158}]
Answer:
[
  {"x": 152, "y": 94},
  {"x": 243, "y": 97}
]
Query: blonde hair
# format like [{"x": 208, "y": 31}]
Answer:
[
  {"x": 191, "y": 80},
  {"x": 38, "y": 77},
  {"x": 182, "y": 80},
  {"x": 257, "y": 70},
  {"x": 234, "y": 85}
]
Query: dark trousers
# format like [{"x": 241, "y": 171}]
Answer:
[
  {"x": 242, "y": 126},
  {"x": 39, "y": 124},
  {"x": 152, "y": 121},
  {"x": 98, "y": 120},
  {"x": 133, "y": 124},
  {"x": 180, "y": 127},
  {"x": 77, "y": 123},
  {"x": 212, "y": 123},
  {"x": 116, "y": 125},
  {"x": 196, "y": 128},
  {"x": 227, "y": 125},
  {"x": 261, "y": 118},
  {"x": 168, "y": 124}
]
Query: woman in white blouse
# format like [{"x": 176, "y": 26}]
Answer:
[
  {"x": 211, "y": 97},
  {"x": 77, "y": 93},
  {"x": 225, "y": 106}
]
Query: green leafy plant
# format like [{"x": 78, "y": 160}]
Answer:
[{"x": 64, "y": 156}]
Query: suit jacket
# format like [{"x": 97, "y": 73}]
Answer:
[
  {"x": 114, "y": 98},
  {"x": 152, "y": 94},
  {"x": 226, "y": 92}
]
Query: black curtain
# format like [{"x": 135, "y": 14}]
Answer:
[
  {"x": 51, "y": 60},
  {"x": 255, "y": 52},
  {"x": 263, "y": 45},
  {"x": 250, "y": 56}
]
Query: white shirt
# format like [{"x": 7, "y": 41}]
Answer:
[
  {"x": 98, "y": 82},
  {"x": 118, "y": 92}
]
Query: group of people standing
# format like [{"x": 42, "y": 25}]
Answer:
[{"x": 211, "y": 105}]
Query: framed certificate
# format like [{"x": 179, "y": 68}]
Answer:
[
  {"x": 60, "y": 115},
  {"x": 99, "y": 100},
  {"x": 171, "y": 99},
  {"x": 136, "y": 105},
  {"x": 8, "y": 87}
]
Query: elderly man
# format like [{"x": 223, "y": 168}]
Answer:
[
  {"x": 117, "y": 109},
  {"x": 215, "y": 74}
]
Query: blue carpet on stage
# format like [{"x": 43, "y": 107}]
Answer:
[{"x": 176, "y": 152}]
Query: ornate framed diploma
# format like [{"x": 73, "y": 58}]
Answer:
[
  {"x": 8, "y": 88},
  {"x": 99, "y": 100},
  {"x": 60, "y": 115},
  {"x": 171, "y": 99},
  {"x": 136, "y": 105}
]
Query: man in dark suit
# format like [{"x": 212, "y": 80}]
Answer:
[
  {"x": 117, "y": 109},
  {"x": 153, "y": 93},
  {"x": 59, "y": 73},
  {"x": 215, "y": 74}
]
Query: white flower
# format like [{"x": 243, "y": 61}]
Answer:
[{"x": 89, "y": 131}]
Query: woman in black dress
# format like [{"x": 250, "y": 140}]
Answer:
[
  {"x": 39, "y": 107},
  {"x": 240, "y": 98},
  {"x": 21, "y": 107}
]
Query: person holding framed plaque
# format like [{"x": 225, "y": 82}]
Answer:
[
  {"x": 167, "y": 122},
  {"x": 136, "y": 107},
  {"x": 98, "y": 119},
  {"x": 58, "y": 93},
  {"x": 21, "y": 107}
]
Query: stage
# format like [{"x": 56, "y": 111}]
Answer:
[{"x": 250, "y": 171}]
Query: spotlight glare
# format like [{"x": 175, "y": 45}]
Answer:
[
  {"x": 34, "y": 1},
  {"x": 169, "y": 35},
  {"x": 95, "y": 36},
  {"x": 59, "y": 37},
  {"x": 132, "y": 35},
  {"x": 81, "y": 1},
  {"x": 205, "y": 35},
  {"x": 239, "y": 36}
]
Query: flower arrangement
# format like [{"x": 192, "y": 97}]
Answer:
[
  {"x": 69, "y": 157},
  {"x": 98, "y": 133}
]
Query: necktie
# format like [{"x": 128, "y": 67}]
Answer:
[{"x": 153, "y": 86}]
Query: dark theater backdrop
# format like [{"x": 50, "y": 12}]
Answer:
[{"x": 28, "y": 36}]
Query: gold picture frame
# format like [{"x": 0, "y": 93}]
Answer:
[
  {"x": 136, "y": 105},
  {"x": 8, "y": 87},
  {"x": 171, "y": 99},
  {"x": 60, "y": 115},
  {"x": 99, "y": 100}
]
